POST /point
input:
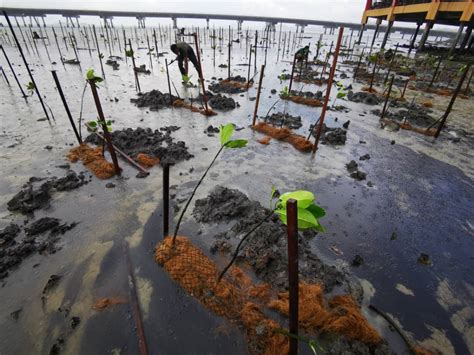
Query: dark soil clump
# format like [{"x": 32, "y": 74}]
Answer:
[
  {"x": 266, "y": 249},
  {"x": 155, "y": 100},
  {"x": 364, "y": 97},
  {"x": 222, "y": 102},
  {"x": 331, "y": 135},
  {"x": 34, "y": 196},
  {"x": 154, "y": 143},
  {"x": 281, "y": 119}
]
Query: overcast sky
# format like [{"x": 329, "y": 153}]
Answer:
[{"x": 336, "y": 10}]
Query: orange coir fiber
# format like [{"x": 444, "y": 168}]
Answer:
[
  {"x": 229, "y": 298},
  {"x": 369, "y": 89},
  {"x": 93, "y": 160},
  {"x": 147, "y": 161},
  {"x": 103, "y": 303},
  {"x": 303, "y": 100},
  {"x": 265, "y": 140},
  {"x": 427, "y": 104},
  {"x": 284, "y": 134},
  {"x": 237, "y": 298},
  {"x": 314, "y": 81},
  {"x": 418, "y": 350},
  {"x": 183, "y": 104},
  {"x": 236, "y": 84},
  {"x": 341, "y": 315}
]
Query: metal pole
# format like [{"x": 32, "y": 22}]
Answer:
[
  {"x": 137, "y": 82},
  {"x": 451, "y": 103},
  {"x": 14, "y": 75},
  {"x": 104, "y": 126},
  {"x": 204, "y": 95},
  {"x": 66, "y": 107},
  {"x": 168, "y": 76},
  {"x": 26, "y": 65},
  {"x": 262, "y": 70},
  {"x": 166, "y": 199},
  {"x": 250, "y": 63},
  {"x": 98, "y": 51},
  {"x": 358, "y": 63},
  {"x": 384, "y": 110},
  {"x": 292, "y": 224},
  {"x": 328, "y": 90},
  {"x": 292, "y": 73},
  {"x": 436, "y": 71}
]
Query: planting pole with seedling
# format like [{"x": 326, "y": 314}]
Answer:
[
  {"x": 13, "y": 72},
  {"x": 99, "y": 54},
  {"x": 391, "y": 64},
  {"x": 404, "y": 88},
  {"x": 387, "y": 97},
  {"x": 168, "y": 76},
  {"x": 466, "y": 90},
  {"x": 166, "y": 199},
  {"x": 453, "y": 99},
  {"x": 201, "y": 75},
  {"x": 73, "y": 45},
  {"x": 292, "y": 222},
  {"x": 373, "y": 72},
  {"x": 292, "y": 73},
  {"x": 255, "y": 54},
  {"x": 26, "y": 65},
  {"x": 258, "y": 94},
  {"x": 358, "y": 64},
  {"x": 250, "y": 63},
  {"x": 149, "y": 49},
  {"x": 436, "y": 71},
  {"x": 66, "y": 107},
  {"x": 137, "y": 82},
  {"x": 57, "y": 45},
  {"x": 328, "y": 89},
  {"x": 21, "y": 33},
  {"x": 104, "y": 126},
  {"x": 156, "y": 47}
]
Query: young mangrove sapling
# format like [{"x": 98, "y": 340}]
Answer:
[{"x": 226, "y": 133}]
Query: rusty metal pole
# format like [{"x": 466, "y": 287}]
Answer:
[
  {"x": 292, "y": 73},
  {"x": 26, "y": 65},
  {"x": 387, "y": 97},
  {"x": 66, "y": 107},
  {"x": 166, "y": 199},
  {"x": 98, "y": 51},
  {"x": 293, "y": 282},
  {"x": 405, "y": 88},
  {"x": 156, "y": 47},
  {"x": 104, "y": 126},
  {"x": 168, "y": 76},
  {"x": 328, "y": 90},
  {"x": 391, "y": 64},
  {"x": 358, "y": 63},
  {"x": 201, "y": 75},
  {"x": 373, "y": 72},
  {"x": 451, "y": 103},
  {"x": 258, "y": 94},
  {"x": 250, "y": 64},
  {"x": 436, "y": 71},
  {"x": 13, "y": 72},
  {"x": 137, "y": 82}
]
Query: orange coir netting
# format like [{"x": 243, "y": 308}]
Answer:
[
  {"x": 312, "y": 81},
  {"x": 147, "y": 161},
  {"x": 93, "y": 160},
  {"x": 284, "y": 134},
  {"x": 236, "y": 84},
  {"x": 302, "y": 100},
  {"x": 202, "y": 111},
  {"x": 237, "y": 298},
  {"x": 407, "y": 126},
  {"x": 340, "y": 315}
]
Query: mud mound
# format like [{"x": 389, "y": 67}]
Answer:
[
  {"x": 93, "y": 160},
  {"x": 341, "y": 315},
  {"x": 364, "y": 97},
  {"x": 281, "y": 119},
  {"x": 155, "y": 100},
  {"x": 35, "y": 240},
  {"x": 305, "y": 98},
  {"x": 232, "y": 85},
  {"x": 331, "y": 135},
  {"x": 222, "y": 102},
  {"x": 34, "y": 195},
  {"x": 155, "y": 144},
  {"x": 265, "y": 250},
  {"x": 284, "y": 134}
]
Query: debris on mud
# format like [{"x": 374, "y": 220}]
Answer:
[
  {"x": 34, "y": 196},
  {"x": 331, "y": 135},
  {"x": 113, "y": 64},
  {"x": 154, "y": 143},
  {"x": 266, "y": 250},
  {"x": 415, "y": 115},
  {"x": 425, "y": 259},
  {"x": 142, "y": 69},
  {"x": 364, "y": 97},
  {"x": 232, "y": 85},
  {"x": 155, "y": 100},
  {"x": 51, "y": 284},
  {"x": 351, "y": 166},
  {"x": 284, "y": 134},
  {"x": 281, "y": 119},
  {"x": 104, "y": 303},
  {"x": 8, "y": 234}
]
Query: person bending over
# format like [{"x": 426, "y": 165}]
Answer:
[{"x": 185, "y": 51}]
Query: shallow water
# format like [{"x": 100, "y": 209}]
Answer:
[{"x": 422, "y": 191}]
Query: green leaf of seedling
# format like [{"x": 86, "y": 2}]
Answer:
[
  {"x": 129, "y": 53},
  {"x": 304, "y": 198},
  {"x": 226, "y": 133},
  {"x": 236, "y": 143},
  {"x": 305, "y": 219},
  {"x": 312, "y": 346},
  {"x": 92, "y": 124},
  {"x": 101, "y": 56},
  {"x": 90, "y": 74},
  {"x": 316, "y": 211},
  {"x": 108, "y": 123},
  {"x": 30, "y": 86},
  {"x": 110, "y": 129},
  {"x": 341, "y": 94}
]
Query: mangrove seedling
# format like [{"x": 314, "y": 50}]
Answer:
[
  {"x": 341, "y": 92},
  {"x": 129, "y": 53},
  {"x": 93, "y": 125},
  {"x": 30, "y": 87},
  {"x": 226, "y": 133},
  {"x": 308, "y": 216},
  {"x": 285, "y": 92}
]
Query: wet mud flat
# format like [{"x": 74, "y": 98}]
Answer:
[{"x": 359, "y": 241}]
